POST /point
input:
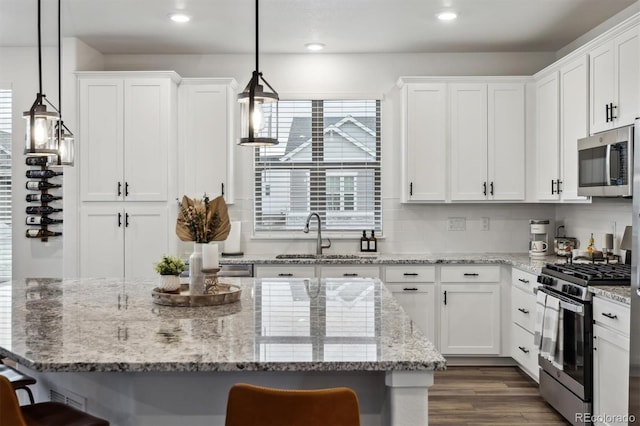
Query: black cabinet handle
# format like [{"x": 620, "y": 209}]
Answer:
[
  {"x": 119, "y": 189},
  {"x": 553, "y": 188},
  {"x": 410, "y": 274},
  {"x": 491, "y": 191},
  {"x": 606, "y": 112},
  {"x": 126, "y": 189},
  {"x": 613, "y": 117},
  {"x": 222, "y": 189},
  {"x": 522, "y": 280},
  {"x": 285, "y": 275},
  {"x": 119, "y": 220},
  {"x": 611, "y": 316},
  {"x": 445, "y": 297},
  {"x": 558, "y": 183},
  {"x": 410, "y": 289},
  {"x": 411, "y": 188},
  {"x": 523, "y": 349},
  {"x": 349, "y": 274},
  {"x": 126, "y": 220},
  {"x": 484, "y": 188},
  {"x": 524, "y": 311},
  {"x": 470, "y": 274}
]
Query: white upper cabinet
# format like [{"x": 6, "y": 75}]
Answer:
[
  {"x": 424, "y": 139},
  {"x": 127, "y": 126},
  {"x": 206, "y": 132},
  {"x": 487, "y": 141},
  {"x": 614, "y": 81},
  {"x": 547, "y": 136}
]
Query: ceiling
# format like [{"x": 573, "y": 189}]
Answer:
[{"x": 344, "y": 26}]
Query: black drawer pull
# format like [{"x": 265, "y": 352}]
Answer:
[
  {"x": 410, "y": 274},
  {"x": 285, "y": 275},
  {"x": 611, "y": 316},
  {"x": 523, "y": 349},
  {"x": 522, "y": 280},
  {"x": 410, "y": 289},
  {"x": 349, "y": 274},
  {"x": 470, "y": 274},
  {"x": 524, "y": 311}
]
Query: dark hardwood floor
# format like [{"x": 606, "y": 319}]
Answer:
[{"x": 488, "y": 396}]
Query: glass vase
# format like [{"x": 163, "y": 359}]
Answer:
[{"x": 196, "y": 277}]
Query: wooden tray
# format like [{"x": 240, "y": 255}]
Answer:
[{"x": 228, "y": 293}]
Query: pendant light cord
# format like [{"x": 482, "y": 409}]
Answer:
[
  {"x": 59, "y": 66},
  {"x": 257, "y": 68},
  {"x": 39, "y": 52}
]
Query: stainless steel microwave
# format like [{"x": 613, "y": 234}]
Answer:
[{"x": 605, "y": 164}]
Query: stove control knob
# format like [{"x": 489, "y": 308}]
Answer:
[{"x": 542, "y": 279}]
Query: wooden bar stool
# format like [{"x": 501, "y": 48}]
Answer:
[
  {"x": 18, "y": 379},
  {"x": 41, "y": 413}
]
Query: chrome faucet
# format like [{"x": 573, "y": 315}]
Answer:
[{"x": 319, "y": 245}]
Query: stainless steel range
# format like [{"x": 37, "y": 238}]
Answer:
[{"x": 568, "y": 385}]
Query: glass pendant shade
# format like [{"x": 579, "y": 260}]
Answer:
[
  {"x": 66, "y": 141},
  {"x": 40, "y": 133},
  {"x": 258, "y": 114}
]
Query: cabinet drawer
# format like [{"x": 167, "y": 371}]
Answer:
[
  {"x": 523, "y": 309},
  {"x": 351, "y": 271},
  {"x": 471, "y": 273},
  {"x": 409, "y": 288},
  {"x": 523, "y": 350},
  {"x": 525, "y": 281},
  {"x": 285, "y": 271},
  {"x": 410, "y": 273},
  {"x": 612, "y": 315}
]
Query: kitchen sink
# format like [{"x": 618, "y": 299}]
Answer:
[{"x": 318, "y": 256}]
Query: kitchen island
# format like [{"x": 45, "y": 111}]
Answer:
[{"x": 104, "y": 344}]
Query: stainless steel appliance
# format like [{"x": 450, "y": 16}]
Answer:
[
  {"x": 570, "y": 389},
  {"x": 605, "y": 163},
  {"x": 634, "y": 339}
]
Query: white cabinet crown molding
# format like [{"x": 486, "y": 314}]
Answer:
[{"x": 175, "y": 77}]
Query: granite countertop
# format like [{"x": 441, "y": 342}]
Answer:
[
  {"x": 619, "y": 293},
  {"x": 518, "y": 260},
  {"x": 278, "y": 325}
]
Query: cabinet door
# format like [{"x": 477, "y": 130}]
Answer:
[
  {"x": 470, "y": 319},
  {"x": 101, "y": 134},
  {"x": 506, "y": 141},
  {"x": 626, "y": 84},
  {"x": 285, "y": 271},
  {"x": 418, "y": 301},
  {"x": 574, "y": 110},
  {"x": 547, "y": 137},
  {"x": 102, "y": 242},
  {"x": 601, "y": 76},
  {"x": 147, "y": 130},
  {"x": 146, "y": 239},
  {"x": 469, "y": 142},
  {"x": 205, "y": 137},
  {"x": 350, "y": 271},
  {"x": 610, "y": 373},
  {"x": 425, "y": 128}
]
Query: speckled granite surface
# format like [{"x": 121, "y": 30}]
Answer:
[
  {"x": 620, "y": 294},
  {"x": 518, "y": 260},
  {"x": 279, "y": 325}
]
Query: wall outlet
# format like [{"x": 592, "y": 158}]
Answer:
[
  {"x": 457, "y": 224},
  {"x": 484, "y": 223}
]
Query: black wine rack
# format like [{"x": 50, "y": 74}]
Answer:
[{"x": 40, "y": 196}]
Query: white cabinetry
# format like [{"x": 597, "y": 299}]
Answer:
[
  {"x": 413, "y": 286},
  {"x": 206, "y": 136},
  {"x": 470, "y": 310},
  {"x": 523, "y": 316},
  {"x": 285, "y": 271},
  {"x": 610, "y": 360},
  {"x": 127, "y": 129},
  {"x": 614, "y": 81},
  {"x": 424, "y": 141},
  {"x": 119, "y": 241},
  {"x": 487, "y": 141},
  {"x": 349, "y": 271}
]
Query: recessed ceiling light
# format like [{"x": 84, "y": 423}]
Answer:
[
  {"x": 447, "y": 16},
  {"x": 179, "y": 17},
  {"x": 314, "y": 47}
]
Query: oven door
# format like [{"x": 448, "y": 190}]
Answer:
[{"x": 577, "y": 359}]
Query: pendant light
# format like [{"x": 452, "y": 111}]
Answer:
[
  {"x": 40, "y": 138},
  {"x": 258, "y": 108},
  {"x": 65, "y": 139}
]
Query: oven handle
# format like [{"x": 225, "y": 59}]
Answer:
[
  {"x": 607, "y": 164},
  {"x": 566, "y": 303}
]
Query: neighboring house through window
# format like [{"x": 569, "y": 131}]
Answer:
[{"x": 327, "y": 161}]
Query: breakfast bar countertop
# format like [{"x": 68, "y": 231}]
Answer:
[{"x": 112, "y": 325}]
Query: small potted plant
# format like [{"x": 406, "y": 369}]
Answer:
[{"x": 169, "y": 268}]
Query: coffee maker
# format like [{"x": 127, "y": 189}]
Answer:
[{"x": 539, "y": 237}]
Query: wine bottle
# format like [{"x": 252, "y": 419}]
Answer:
[
  {"x": 373, "y": 242},
  {"x": 42, "y": 174},
  {"x": 42, "y": 220},
  {"x": 364, "y": 242},
  {"x": 39, "y": 185},
  {"x": 41, "y": 160},
  {"x": 42, "y": 233},
  {"x": 42, "y": 198},
  {"x": 42, "y": 210}
]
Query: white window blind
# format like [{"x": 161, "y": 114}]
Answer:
[
  {"x": 5, "y": 183},
  {"x": 327, "y": 161}
]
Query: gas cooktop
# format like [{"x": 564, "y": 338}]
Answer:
[{"x": 590, "y": 273}]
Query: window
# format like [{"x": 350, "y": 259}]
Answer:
[
  {"x": 327, "y": 161},
  {"x": 5, "y": 182}
]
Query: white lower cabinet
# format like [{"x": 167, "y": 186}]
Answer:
[
  {"x": 413, "y": 286},
  {"x": 610, "y": 361},
  {"x": 119, "y": 241},
  {"x": 285, "y": 271},
  {"x": 523, "y": 317},
  {"x": 349, "y": 271}
]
